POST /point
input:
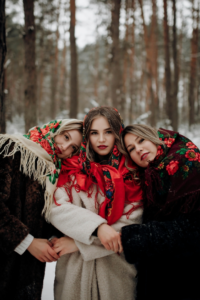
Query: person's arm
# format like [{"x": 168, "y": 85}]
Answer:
[
  {"x": 97, "y": 249},
  {"x": 171, "y": 238},
  {"x": 13, "y": 232},
  {"x": 74, "y": 221}
]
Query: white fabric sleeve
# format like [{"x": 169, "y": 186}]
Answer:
[
  {"x": 96, "y": 249},
  {"x": 74, "y": 221},
  {"x": 93, "y": 251},
  {"x": 23, "y": 246}
]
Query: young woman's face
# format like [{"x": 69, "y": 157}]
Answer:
[
  {"x": 67, "y": 143},
  {"x": 140, "y": 150},
  {"x": 101, "y": 137}
]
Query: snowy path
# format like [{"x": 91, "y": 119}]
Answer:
[{"x": 47, "y": 293}]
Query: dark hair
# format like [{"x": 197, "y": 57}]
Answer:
[{"x": 114, "y": 121}]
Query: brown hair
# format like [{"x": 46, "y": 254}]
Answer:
[{"x": 114, "y": 121}]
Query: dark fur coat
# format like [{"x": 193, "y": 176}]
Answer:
[
  {"x": 167, "y": 255},
  {"x": 21, "y": 204}
]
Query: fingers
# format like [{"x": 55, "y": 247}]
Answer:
[
  {"x": 53, "y": 253},
  {"x": 53, "y": 240}
]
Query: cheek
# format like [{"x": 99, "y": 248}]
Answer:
[
  {"x": 112, "y": 140},
  {"x": 91, "y": 139}
]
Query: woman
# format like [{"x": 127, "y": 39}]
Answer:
[
  {"x": 94, "y": 189},
  {"x": 166, "y": 246},
  {"x": 30, "y": 165}
]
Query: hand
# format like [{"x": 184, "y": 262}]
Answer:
[
  {"x": 65, "y": 245},
  {"x": 110, "y": 238},
  {"x": 41, "y": 249},
  {"x": 52, "y": 241}
]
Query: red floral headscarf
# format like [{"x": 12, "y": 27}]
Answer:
[{"x": 112, "y": 177}]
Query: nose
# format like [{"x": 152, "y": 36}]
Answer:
[
  {"x": 65, "y": 146},
  {"x": 138, "y": 148},
  {"x": 101, "y": 137}
]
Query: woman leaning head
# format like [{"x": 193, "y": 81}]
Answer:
[
  {"x": 42, "y": 149},
  {"x": 141, "y": 142}
]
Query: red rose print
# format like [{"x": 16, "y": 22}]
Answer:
[
  {"x": 115, "y": 151},
  {"x": 159, "y": 151},
  {"x": 35, "y": 135},
  {"x": 56, "y": 125},
  {"x": 191, "y": 145},
  {"x": 169, "y": 141},
  {"x": 45, "y": 130},
  {"x": 191, "y": 155},
  {"x": 198, "y": 157},
  {"x": 45, "y": 145},
  {"x": 172, "y": 167},
  {"x": 116, "y": 162}
]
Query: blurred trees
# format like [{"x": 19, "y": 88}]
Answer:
[
  {"x": 73, "y": 64},
  {"x": 144, "y": 60},
  {"x": 2, "y": 68},
  {"x": 30, "y": 104}
]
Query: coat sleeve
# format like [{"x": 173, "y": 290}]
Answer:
[
  {"x": 74, "y": 221},
  {"x": 96, "y": 249},
  {"x": 12, "y": 230},
  {"x": 177, "y": 237}
]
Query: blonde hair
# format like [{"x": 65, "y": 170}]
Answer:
[
  {"x": 143, "y": 131},
  {"x": 114, "y": 121},
  {"x": 73, "y": 125}
]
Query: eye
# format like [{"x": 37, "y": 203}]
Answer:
[
  {"x": 67, "y": 138},
  {"x": 93, "y": 132},
  {"x": 109, "y": 132},
  {"x": 141, "y": 140},
  {"x": 131, "y": 149}
]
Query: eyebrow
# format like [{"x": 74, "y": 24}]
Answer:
[
  {"x": 131, "y": 144},
  {"x": 71, "y": 138},
  {"x": 104, "y": 129}
]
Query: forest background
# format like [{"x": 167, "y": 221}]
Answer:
[
  {"x": 66, "y": 56},
  {"x": 60, "y": 58}
]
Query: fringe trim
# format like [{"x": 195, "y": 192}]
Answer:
[{"x": 31, "y": 165}]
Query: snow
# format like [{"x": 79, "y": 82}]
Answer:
[{"x": 47, "y": 293}]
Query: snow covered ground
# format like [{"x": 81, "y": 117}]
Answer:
[{"x": 47, "y": 293}]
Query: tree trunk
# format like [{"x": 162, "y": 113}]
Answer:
[
  {"x": 2, "y": 61},
  {"x": 116, "y": 76},
  {"x": 63, "y": 79},
  {"x": 150, "y": 93},
  {"x": 54, "y": 76},
  {"x": 169, "y": 99},
  {"x": 176, "y": 72},
  {"x": 30, "y": 69},
  {"x": 131, "y": 66},
  {"x": 74, "y": 67},
  {"x": 193, "y": 63},
  {"x": 154, "y": 59}
]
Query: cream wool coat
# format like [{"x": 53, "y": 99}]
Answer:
[{"x": 92, "y": 273}]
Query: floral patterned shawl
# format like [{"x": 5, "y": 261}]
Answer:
[
  {"x": 172, "y": 181},
  {"x": 112, "y": 177},
  {"x": 38, "y": 155}
]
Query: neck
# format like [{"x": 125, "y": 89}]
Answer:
[{"x": 100, "y": 158}]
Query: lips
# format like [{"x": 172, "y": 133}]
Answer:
[
  {"x": 144, "y": 155},
  {"x": 102, "y": 147},
  {"x": 59, "y": 151}
]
